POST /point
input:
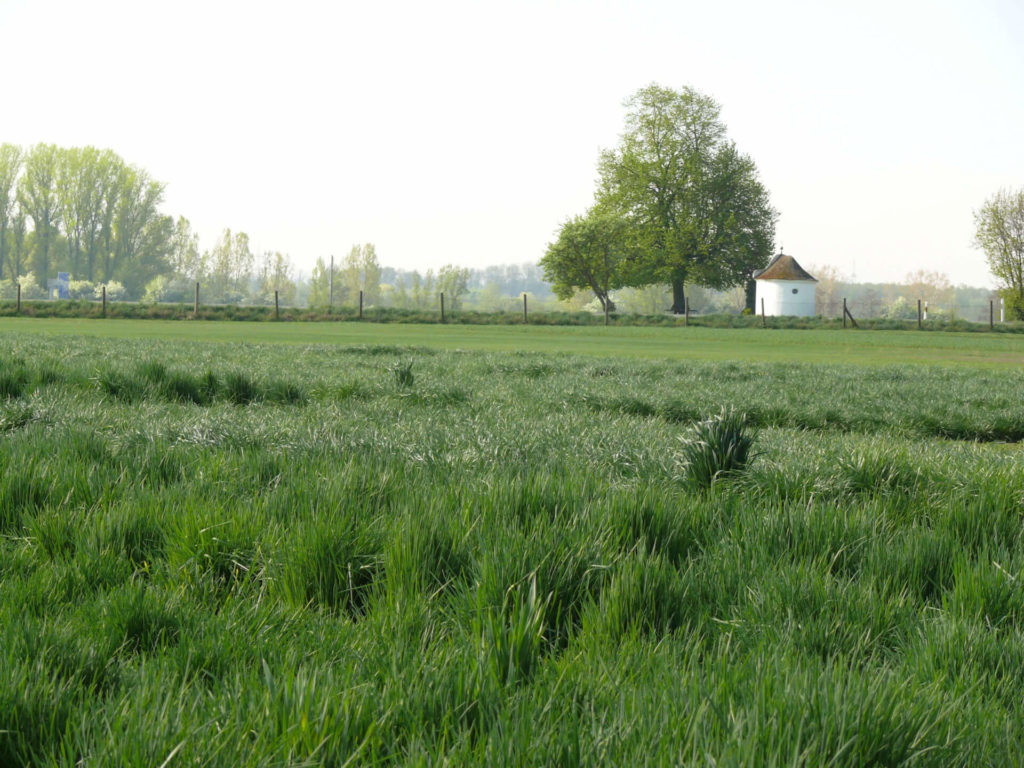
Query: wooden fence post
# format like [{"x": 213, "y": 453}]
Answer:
[
  {"x": 525, "y": 321},
  {"x": 195, "y": 308},
  {"x": 991, "y": 315},
  {"x": 277, "y": 308},
  {"x": 848, "y": 314},
  {"x": 764, "y": 322},
  {"x": 442, "y": 306},
  {"x": 919, "y": 314},
  {"x": 19, "y": 298},
  {"x": 104, "y": 300},
  {"x": 360, "y": 305}
]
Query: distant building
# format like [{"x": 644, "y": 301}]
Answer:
[
  {"x": 785, "y": 288},
  {"x": 59, "y": 288}
]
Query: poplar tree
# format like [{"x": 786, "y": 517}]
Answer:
[{"x": 10, "y": 167}]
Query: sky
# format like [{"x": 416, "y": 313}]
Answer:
[{"x": 466, "y": 132}]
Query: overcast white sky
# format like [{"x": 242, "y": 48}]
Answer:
[{"x": 466, "y": 131}]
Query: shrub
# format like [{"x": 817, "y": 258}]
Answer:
[
  {"x": 81, "y": 289},
  {"x": 115, "y": 291}
]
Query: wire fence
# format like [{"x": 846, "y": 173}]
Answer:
[{"x": 889, "y": 311}]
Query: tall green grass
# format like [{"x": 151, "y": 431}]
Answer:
[{"x": 506, "y": 561}]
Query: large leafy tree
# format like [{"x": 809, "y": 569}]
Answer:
[
  {"x": 698, "y": 210},
  {"x": 999, "y": 232},
  {"x": 590, "y": 253}
]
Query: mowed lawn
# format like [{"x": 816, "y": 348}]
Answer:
[{"x": 746, "y": 344}]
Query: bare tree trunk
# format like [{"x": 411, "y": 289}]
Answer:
[
  {"x": 751, "y": 295},
  {"x": 606, "y": 301},
  {"x": 678, "y": 295}
]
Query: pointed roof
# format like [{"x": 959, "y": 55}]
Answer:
[{"x": 783, "y": 267}]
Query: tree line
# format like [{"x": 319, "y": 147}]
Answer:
[
  {"x": 678, "y": 210},
  {"x": 80, "y": 210},
  {"x": 88, "y": 212}
]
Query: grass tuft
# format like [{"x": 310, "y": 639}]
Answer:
[
  {"x": 240, "y": 388},
  {"x": 13, "y": 383},
  {"x": 715, "y": 448},
  {"x": 403, "y": 374},
  {"x": 511, "y": 639}
]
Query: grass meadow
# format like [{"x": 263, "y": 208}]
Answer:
[
  {"x": 341, "y": 554},
  {"x": 863, "y": 347}
]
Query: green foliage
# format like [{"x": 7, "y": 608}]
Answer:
[
  {"x": 360, "y": 272},
  {"x": 453, "y": 282},
  {"x": 92, "y": 215},
  {"x": 901, "y": 309},
  {"x": 229, "y": 268},
  {"x": 319, "y": 284},
  {"x": 696, "y": 207},
  {"x": 276, "y": 276},
  {"x": 591, "y": 252},
  {"x": 999, "y": 232},
  {"x": 10, "y": 167}
]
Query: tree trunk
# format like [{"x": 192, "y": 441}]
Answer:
[
  {"x": 751, "y": 297},
  {"x": 606, "y": 301},
  {"x": 678, "y": 296}
]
